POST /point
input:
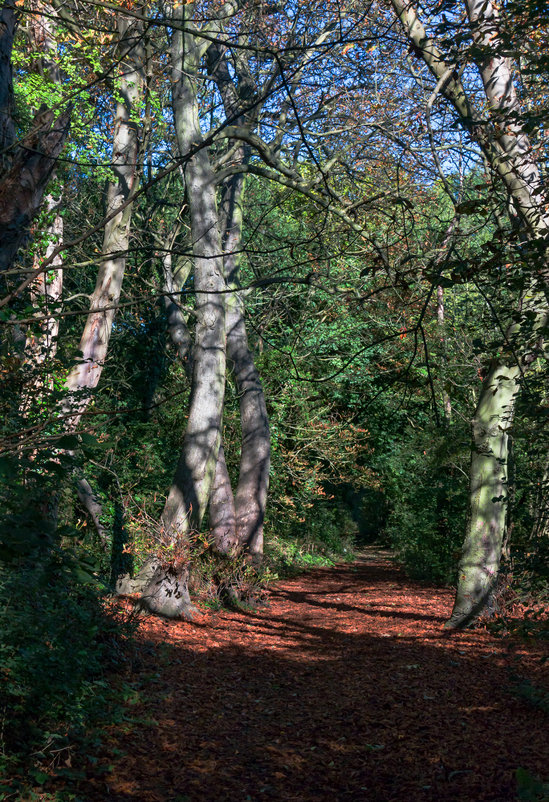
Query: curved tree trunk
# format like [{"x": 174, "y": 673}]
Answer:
[
  {"x": 84, "y": 376},
  {"x": 247, "y": 512}
]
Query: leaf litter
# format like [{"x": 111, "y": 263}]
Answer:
[{"x": 344, "y": 687}]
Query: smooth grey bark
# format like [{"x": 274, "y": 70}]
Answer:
[
  {"x": 507, "y": 149},
  {"x": 253, "y": 479},
  {"x": 178, "y": 330},
  {"x": 221, "y": 505},
  {"x": 446, "y": 400},
  {"x": 222, "y": 510},
  {"x": 189, "y": 492},
  {"x": 85, "y": 375},
  {"x": 488, "y": 494},
  {"x": 93, "y": 507},
  {"x": 167, "y": 592},
  {"x": 248, "y": 509}
]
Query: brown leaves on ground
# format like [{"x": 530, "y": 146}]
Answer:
[{"x": 344, "y": 687}]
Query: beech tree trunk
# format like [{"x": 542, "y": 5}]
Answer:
[
  {"x": 255, "y": 455},
  {"x": 446, "y": 401},
  {"x": 167, "y": 592},
  {"x": 175, "y": 318},
  {"x": 251, "y": 493},
  {"x": 488, "y": 494},
  {"x": 222, "y": 509}
]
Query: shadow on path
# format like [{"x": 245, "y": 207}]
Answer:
[{"x": 344, "y": 688}]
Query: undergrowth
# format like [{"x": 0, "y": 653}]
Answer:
[{"x": 63, "y": 649}]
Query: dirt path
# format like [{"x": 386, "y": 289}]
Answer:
[{"x": 343, "y": 688}]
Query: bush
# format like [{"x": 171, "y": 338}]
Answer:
[{"x": 58, "y": 642}]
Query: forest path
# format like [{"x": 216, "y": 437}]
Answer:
[{"x": 343, "y": 688}]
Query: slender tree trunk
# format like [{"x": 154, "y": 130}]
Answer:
[
  {"x": 167, "y": 592},
  {"x": 84, "y": 376},
  {"x": 7, "y": 103},
  {"x": 253, "y": 479},
  {"x": 446, "y": 401},
  {"x": 93, "y": 507},
  {"x": 46, "y": 293},
  {"x": 488, "y": 494},
  {"x": 177, "y": 324},
  {"x": 222, "y": 509}
]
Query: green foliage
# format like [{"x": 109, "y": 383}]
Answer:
[
  {"x": 59, "y": 641},
  {"x": 427, "y": 497},
  {"x": 57, "y": 644}
]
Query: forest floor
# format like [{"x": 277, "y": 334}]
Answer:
[{"x": 343, "y": 687}]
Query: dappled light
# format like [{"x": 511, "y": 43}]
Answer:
[{"x": 343, "y": 687}]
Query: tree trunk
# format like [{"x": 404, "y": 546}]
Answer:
[
  {"x": 84, "y": 376},
  {"x": 507, "y": 148},
  {"x": 175, "y": 318},
  {"x": 246, "y": 512},
  {"x": 23, "y": 186},
  {"x": 446, "y": 401},
  {"x": 93, "y": 507},
  {"x": 488, "y": 495},
  {"x": 167, "y": 592},
  {"x": 222, "y": 509}
]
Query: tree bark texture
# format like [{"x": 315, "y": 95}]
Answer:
[
  {"x": 488, "y": 494},
  {"x": 22, "y": 187},
  {"x": 178, "y": 330},
  {"x": 188, "y": 496},
  {"x": 84, "y": 376},
  {"x": 446, "y": 400},
  {"x": 505, "y": 144},
  {"x": 167, "y": 592},
  {"x": 508, "y": 151},
  {"x": 248, "y": 509},
  {"x": 255, "y": 455}
]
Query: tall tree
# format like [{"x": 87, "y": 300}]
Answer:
[
  {"x": 500, "y": 132},
  {"x": 27, "y": 164}
]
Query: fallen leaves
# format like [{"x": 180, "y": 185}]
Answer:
[{"x": 344, "y": 688}]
